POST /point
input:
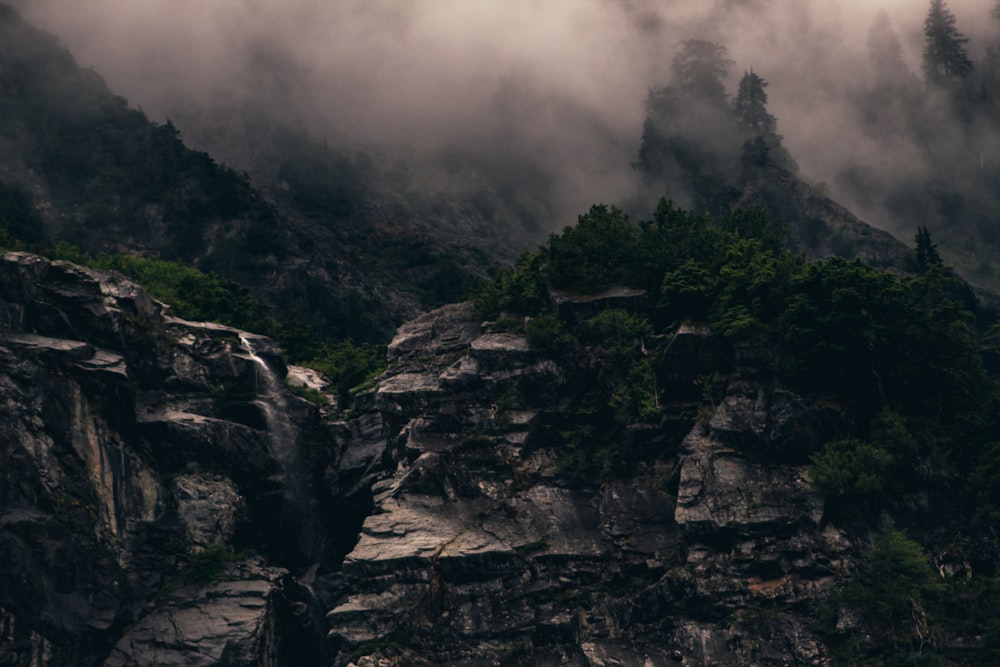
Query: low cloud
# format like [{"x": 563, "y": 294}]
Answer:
[{"x": 560, "y": 83}]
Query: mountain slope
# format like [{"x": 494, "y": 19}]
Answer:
[{"x": 101, "y": 176}]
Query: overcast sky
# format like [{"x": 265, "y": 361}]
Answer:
[{"x": 565, "y": 77}]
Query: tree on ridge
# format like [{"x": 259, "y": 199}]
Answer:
[
  {"x": 945, "y": 56},
  {"x": 751, "y": 105}
]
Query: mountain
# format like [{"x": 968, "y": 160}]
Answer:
[
  {"x": 98, "y": 174},
  {"x": 594, "y": 484},
  {"x": 757, "y": 431}
]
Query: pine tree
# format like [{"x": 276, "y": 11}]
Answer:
[
  {"x": 927, "y": 252},
  {"x": 751, "y": 106},
  {"x": 945, "y": 56},
  {"x": 990, "y": 70},
  {"x": 763, "y": 145}
]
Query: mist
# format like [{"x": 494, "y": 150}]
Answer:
[{"x": 559, "y": 84}]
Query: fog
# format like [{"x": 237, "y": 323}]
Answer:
[{"x": 559, "y": 82}]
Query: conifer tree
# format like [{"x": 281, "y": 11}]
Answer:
[
  {"x": 927, "y": 252},
  {"x": 751, "y": 105},
  {"x": 990, "y": 70},
  {"x": 945, "y": 56}
]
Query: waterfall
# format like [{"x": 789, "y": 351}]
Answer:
[
  {"x": 283, "y": 439},
  {"x": 272, "y": 399}
]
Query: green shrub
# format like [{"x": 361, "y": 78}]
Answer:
[
  {"x": 209, "y": 564},
  {"x": 520, "y": 289},
  {"x": 348, "y": 365},
  {"x": 596, "y": 253},
  {"x": 620, "y": 335},
  {"x": 852, "y": 469}
]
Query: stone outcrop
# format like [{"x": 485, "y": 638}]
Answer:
[
  {"x": 165, "y": 500},
  {"x": 252, "y": 616},
  {"x": 482, "y": 549},
  {"x": 133, "y": 444}
]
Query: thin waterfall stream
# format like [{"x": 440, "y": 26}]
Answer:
[
  {"x": 283, "y": 437},
  {"x": 272, "y": 401}
]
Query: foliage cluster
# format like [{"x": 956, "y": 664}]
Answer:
[
  {"x": 348, "y": 365},
  {"x": 946, "y": 116},
  {"x": 694, "y": 140},
  {"x": 209, "y": 564},
  {"x": 897, "y": 594},
  {"x": 899, "y": 354}
]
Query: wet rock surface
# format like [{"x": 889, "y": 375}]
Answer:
[
  {"x": 132, "y": 443},
  {"x": 166, "y": 501},
  {"x": 481, "y": 549},
  {"x": 254, "y": 615}
]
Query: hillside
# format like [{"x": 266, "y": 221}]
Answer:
[
  {"x": 724, "y": 423},
  {"x": 759, "y": 460},
  {"x": 99, "y": 175}
]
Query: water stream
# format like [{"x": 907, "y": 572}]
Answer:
[
  {"x": 273, "y": 402},
  {"x": 284, "y": 436}
]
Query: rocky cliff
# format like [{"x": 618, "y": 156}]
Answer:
[
  {"x": 166, "y": 499},
  {"x": 154, "y": 472},
  {"x": 484, "y": 549}
]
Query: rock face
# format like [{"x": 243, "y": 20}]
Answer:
[
  {"x": 133, "y": 444},
  {"x": 164, "y": 499},
  {"x": 481, "y": 549}
]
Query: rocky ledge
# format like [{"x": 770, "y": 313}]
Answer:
[
  {"x": 140, "y": 458},
  {"x": 482, "y": 549}
]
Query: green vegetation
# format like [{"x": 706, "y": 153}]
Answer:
[
  {"x": 209, "y": 564},
  {"x": 896, "y": 594},
  {"x": 348, "y": 365},
  {"x": 191, "y": 294},
  {"x": 898, "y": 356},
  {"x": 199, "y": 296}
]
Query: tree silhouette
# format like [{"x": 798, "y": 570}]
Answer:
[
  {"x": 927, "y": 252},
  {"x": 751, "y": 105},
  {"x": 945, "y": 56}
]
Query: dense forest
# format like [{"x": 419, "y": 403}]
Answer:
[{"x": 907, "y": 361}]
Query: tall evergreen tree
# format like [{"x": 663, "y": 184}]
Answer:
[
  {"x": 751, "y": 105},
  {"x": 990, "y": 71},
  {"x": 927, "y": 251},
  {"x": 945, "y": 56}
]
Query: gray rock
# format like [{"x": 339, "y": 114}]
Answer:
[
  {"x": 130, "y": 441},
  {"x": 245, "y": 619},
  {"x": 209, "y": 507},
  {"x": 493, "y": 555}
]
